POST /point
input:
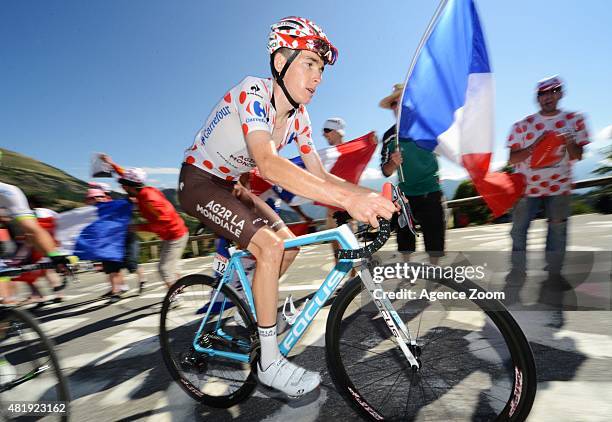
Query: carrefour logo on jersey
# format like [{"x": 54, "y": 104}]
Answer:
[
  {"x": 222, "y": 113},
  {"x": 258, "y": 109}
]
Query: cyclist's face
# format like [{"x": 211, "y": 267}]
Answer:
[{"x": 304, "y": 76}]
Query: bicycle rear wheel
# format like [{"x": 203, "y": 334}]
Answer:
[
  {"x": 476, "y": 364},
  {"x": 211, "y": 380},
  {"x": 29, "y": 369}
]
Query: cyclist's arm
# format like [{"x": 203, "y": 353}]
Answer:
[
  {"x": 40, "y": 238},
  {"x": 282, "y": 172},
  {"x": 287, "y": 175}
]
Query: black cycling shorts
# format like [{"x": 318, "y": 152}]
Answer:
[{"x": 227, "y": 208}]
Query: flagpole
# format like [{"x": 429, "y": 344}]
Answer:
[{"x": 424, "y": 39}]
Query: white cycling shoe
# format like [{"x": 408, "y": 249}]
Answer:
[{"x": 288, "y": 378}]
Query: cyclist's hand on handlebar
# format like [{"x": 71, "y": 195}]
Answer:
[
  {"x": 366, "y": 207},
  {"x": 62, "y": 262}
]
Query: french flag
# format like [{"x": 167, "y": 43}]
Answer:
[
  {"x": 95, "y": 232},
  {"x": 347, "y": 161},
  {"x": 448, "y": 102}
]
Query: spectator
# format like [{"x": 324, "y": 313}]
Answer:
[
  {"x": 132, "y": 247},
  {"x": 112, "y": 268},
  {"x": 542, "y": 148},
  {"x": 333, "y": 131},
  {"x": 421, "y": 186},
  {"x": 163, "y": 220}
]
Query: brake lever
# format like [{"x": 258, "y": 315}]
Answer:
[{"x": 405, "y": 214}]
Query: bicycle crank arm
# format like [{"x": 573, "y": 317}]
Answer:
[{"x": 390, "y": 317}]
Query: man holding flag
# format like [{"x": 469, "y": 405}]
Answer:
[
  {"x": 162, "y": 219},
  {"x": 448, "y": 104},
  {"x": 420, "y": 184}
]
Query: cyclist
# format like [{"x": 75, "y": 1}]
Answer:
[
  {"x": 246, "y": 128},
  {"x": 15, "y": 202}
]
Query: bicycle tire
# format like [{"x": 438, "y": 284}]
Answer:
[
  {"x": 39, "y": 349},
  {"x": 519, "y": 382},
  {"x": 179, "y": 355}
]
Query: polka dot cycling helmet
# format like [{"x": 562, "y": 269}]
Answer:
[{"x": 301, "y": 34}]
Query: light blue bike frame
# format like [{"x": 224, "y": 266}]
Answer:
[{"x": 345, "y": 238}]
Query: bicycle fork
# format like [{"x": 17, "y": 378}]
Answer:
[{"x": 392, "y": 319}]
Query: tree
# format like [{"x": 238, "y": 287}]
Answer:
[
  {"x": 603, "y": 195},
  {"x": 476, "y": 214}
]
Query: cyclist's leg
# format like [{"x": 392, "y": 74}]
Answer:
[
  {"x": 7, "y": 291},
  {"x": 231, "y": 212},
  {"x": 267, "y": 247},
  {"x": 272, "y": 220},
  {"x": 289, "y": 255}
]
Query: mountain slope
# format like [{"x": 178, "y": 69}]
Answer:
[{"x": 57, "y": 189}]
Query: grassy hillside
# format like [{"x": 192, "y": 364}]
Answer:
[{"x": 58, "y": 190}]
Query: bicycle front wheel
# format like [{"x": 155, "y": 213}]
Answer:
[
  {"x": 30, "y": 373},
  {"x": 475, "y": 362},
  {"x": 212, "y": 380}
]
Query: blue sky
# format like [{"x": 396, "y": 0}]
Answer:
[{"x": 137, "y": 78}]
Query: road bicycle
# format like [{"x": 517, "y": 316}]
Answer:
[
  {"x": 390, "y": 359},
  {"x": 32, "y": 386}
]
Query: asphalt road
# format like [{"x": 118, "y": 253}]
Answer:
[{"x": 111, "y": 356}]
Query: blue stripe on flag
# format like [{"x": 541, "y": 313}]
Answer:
[
  {"x": 437, "y": 86},
  {"x": 104, "y": 239}
]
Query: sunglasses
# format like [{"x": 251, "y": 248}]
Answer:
[
  {"x": 549, "y": 91},
  {"x": 326, "y": 130},
  {"x": 323, "y": 48}
]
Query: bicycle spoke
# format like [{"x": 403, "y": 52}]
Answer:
[
  {"x": 378, "y": 379},
  {"x": 450, "y": 356},
  {"x": 215, "y": 377},
  {"x": 361, "y": 348},
  {"x": 391, "y": 389},
  {"x": 456, "y": 354},
  {"x": 438, "y": 399}
]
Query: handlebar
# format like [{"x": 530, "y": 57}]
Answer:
[
  {"x": 384, "y": 232},
  {"x": 389, "y": 191},
  {"x": 405, "y": 219},
  {"x": 16, "y": 271}
]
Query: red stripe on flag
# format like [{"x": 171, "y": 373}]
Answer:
[
  {"x": 354, "y": 158},
  {"x": 499, "y": 190}
]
